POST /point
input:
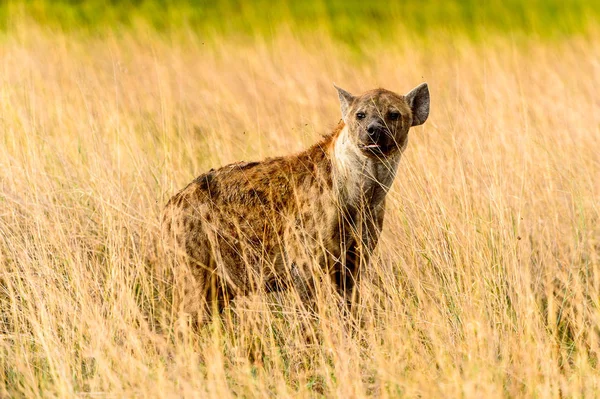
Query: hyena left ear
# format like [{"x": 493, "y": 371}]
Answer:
[
  {"x": 418, "y": 100},
  {"x": 345, "y": 101}
]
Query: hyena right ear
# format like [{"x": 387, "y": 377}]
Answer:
[
  {"x": 418, "y": 100},
  {"x": 345, "y": 101}
]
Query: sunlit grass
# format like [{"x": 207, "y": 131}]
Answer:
[{"x": 487, "y": 279}]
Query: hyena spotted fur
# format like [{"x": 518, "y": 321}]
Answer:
[{"x": 292, "y": 221}]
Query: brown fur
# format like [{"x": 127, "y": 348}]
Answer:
[{"x": 285, "y": 221}]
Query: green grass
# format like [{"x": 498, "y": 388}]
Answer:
[{"x": 351, "y": 21}]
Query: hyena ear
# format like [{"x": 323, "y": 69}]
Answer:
[
  {"x": 418, "y": 100},
  {"x": 345, "y": 101}
]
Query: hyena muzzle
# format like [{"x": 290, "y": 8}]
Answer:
[{"x": 294, "y": 221}]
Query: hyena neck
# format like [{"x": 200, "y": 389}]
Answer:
[{"x": 360, "y": 180}]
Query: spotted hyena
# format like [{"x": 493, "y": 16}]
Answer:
[{"x": 292, "y": 221}]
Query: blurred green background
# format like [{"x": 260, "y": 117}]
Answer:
[{"x": 351, "y": 21}]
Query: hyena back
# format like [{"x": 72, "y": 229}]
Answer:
[{"x": 284, "y": 222}]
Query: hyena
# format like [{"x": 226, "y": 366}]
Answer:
[{"x": 292, "y": 221}]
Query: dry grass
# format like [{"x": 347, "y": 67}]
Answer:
[{"x": 487, "y": 282}]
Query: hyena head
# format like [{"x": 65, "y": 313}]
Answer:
[{"x": 378, "y": 120}]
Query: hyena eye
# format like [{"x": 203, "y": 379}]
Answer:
[
  {"x": 394, "y": 115},
  {"x": 360, "y": 115}
]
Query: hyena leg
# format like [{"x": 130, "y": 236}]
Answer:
[
  {"x": 303, "y": 283},
  {"x": 189, "y": 293},
  {"x": 359, "y": 254},
  {"x": 347, "y": 275},
  {"x": 197, "y": 292}
]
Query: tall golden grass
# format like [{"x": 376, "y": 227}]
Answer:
[{"x": 487, "y": 279}]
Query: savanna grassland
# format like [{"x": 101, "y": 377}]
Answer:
[{"x": 486, "y": 282}]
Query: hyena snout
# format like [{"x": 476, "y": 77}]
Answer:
[
  {"x": 376, "y": 136},
  {"x": 376, "y": 130}
]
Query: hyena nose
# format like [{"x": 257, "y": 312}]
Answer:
[{"x": 374, "y": 129}]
